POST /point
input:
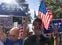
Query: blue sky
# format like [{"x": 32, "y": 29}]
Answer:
[{"x": 33, "y": 5}]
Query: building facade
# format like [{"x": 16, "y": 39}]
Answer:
[{"x": 10, "y": 13}]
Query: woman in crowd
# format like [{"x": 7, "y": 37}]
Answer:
[{"x": 13, "y": 37}]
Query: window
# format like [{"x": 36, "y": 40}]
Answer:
[{"x": 17, "y": 19}]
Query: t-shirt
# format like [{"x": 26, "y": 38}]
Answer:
[
  {"x": 32, "y": 41},
  {"x": 10, "y": 42}
]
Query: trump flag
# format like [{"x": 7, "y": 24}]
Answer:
[{"x": 45, "y": 14}]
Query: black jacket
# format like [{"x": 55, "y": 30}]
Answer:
[{"x": 32, "y": 40}]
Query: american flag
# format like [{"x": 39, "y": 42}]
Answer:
[
  {"x": 21, "y": 32},
  {"x": 45, "y": 14}
]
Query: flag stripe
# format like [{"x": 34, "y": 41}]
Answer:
[{"x": 45, "y": 14}]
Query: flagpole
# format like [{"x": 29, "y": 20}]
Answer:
[{"x": 35, "y": 14}]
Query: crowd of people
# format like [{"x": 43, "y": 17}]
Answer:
[{"x": 12, "y": 38}]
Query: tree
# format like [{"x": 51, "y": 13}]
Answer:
[{"x": 55, "y": 6}]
